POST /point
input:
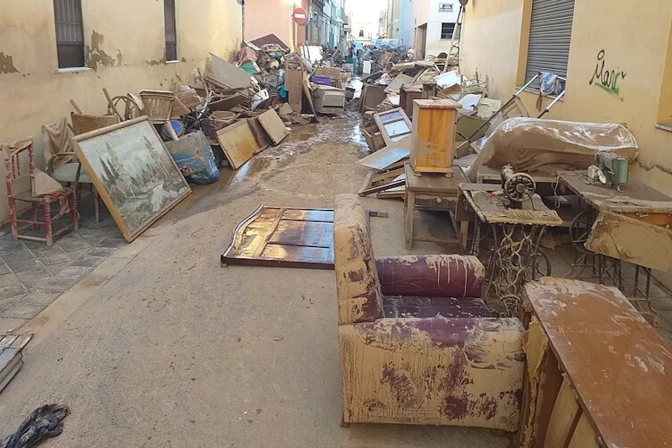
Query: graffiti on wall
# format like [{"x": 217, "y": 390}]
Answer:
[{"x": 604, "y": 78}]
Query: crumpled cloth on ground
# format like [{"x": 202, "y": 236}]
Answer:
[{"x": 42, "y": 423}]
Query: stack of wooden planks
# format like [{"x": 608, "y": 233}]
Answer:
[{"x": 11, "y": 358}]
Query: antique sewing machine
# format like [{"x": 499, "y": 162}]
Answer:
[
  {"x": 609, "y": 169},
  {"x": 517, "y": 187}
]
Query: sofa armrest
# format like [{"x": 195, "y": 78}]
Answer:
[
  {"x": 431, "y": 276},
  {"x": 457, "y": 372}
]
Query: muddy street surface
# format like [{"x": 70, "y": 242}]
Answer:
[{"x": 171, "y": 349}]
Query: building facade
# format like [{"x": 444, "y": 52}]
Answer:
[
  {"x": 52, "y": 51},
  {"x": 390, "y": 28},
  {"x": 615, "y": 54},
  {"x": 426, "y": 26},
  {"x": 263, "y": 17},
  {"x": 365, "y": 24}
]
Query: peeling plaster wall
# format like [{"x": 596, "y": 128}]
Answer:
[
  {"x": 124, "y": 48},
  {"x": 634, "y": 37}
]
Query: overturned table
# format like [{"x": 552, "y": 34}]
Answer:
[
  {"x": 597, "y": 374},
  {"x": 516, "y": 233}
]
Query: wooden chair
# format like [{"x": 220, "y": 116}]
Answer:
[
  {"x": 63, "y": 165},
  {"x": 12, "y": 156}
]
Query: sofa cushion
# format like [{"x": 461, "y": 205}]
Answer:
[
  {"x": 450, "y": 307},
  {"x": 360, "y": 298},
  {"x": 431, "y": 276}
]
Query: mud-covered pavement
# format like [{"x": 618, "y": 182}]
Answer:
[{"x": 163, "y": 347}]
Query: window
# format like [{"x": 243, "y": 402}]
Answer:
[
  {"x": 550, "y": 36},
  {"x": 171, "y": 30},
  {"x": 69, "y": 33},
  {"x": 447, "y": 30},
  {"x": 361, "y": 32}
]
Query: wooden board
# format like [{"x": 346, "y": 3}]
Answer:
[
  {"x": 399, "y": 82},
  {"x": 394, "y": 125},
  {"x": 294, "y": 86},
  {"x": 260, "y": 134},
  {"x": 633, "y": 197},
  {"x": 387, "y": 156},
  {"x": 618, "y": 365},
  {"x": 372, "y": 96},
  {"x": 631, "y": 240},
  {"x": 564, "y": 418},
  {"x": 274, "y": 126},
  {"x": 284, "y": 237},
  {"x": 309, "y": 95},
  {"x": 11, "y": 358},
  {"x": 238, "y": 143},
  {"x": 225, "y": 74},
  {"x": 385, "y": 181},
  {"x": 584, "y": 435}
]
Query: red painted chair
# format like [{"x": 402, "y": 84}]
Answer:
[{"x": 16, "y": 178}]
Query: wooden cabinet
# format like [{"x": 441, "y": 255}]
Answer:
[
  {"x": 433, "y": 140},
  {"x": 406, "y": 97}
]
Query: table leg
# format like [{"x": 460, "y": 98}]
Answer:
[
  {"x": 464, "y": 236},
  {"x": 409, "y": 211}
]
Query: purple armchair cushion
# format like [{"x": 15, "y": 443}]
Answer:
[{"x": 431, "y": 276}]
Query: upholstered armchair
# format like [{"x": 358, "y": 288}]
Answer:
[{"x": 417, "y": 344}]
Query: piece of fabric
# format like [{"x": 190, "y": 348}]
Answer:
[
  {"x": 44, "y": 422},
  {"x": 546, "y": 146},
  {"x": 43, "y": 184}
]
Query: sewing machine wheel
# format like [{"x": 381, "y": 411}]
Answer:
[
  {"x": 520, "y": 187},
  {"x": 580, "y": 229}
]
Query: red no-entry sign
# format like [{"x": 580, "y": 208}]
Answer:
[{"x": 300, "y": 16}]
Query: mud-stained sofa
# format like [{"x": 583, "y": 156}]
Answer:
[{"x": 417, "y": 344}]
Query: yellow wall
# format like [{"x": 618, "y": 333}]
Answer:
[
  {"x": 634, "y": 37},
  {"x": 125, "y": 49}
]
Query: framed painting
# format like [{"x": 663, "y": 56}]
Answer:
[{"x": 133, "y": 173}]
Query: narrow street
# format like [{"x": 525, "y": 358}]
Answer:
[{"x": 160, "y": 346}]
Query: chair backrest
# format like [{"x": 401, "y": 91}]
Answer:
[
  {"x": 11, "y": 153},
  {"x": 360, "y": 298}
]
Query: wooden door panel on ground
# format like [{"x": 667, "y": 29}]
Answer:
[{"x": 284, "y": 237}]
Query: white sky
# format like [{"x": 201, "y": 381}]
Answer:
[{"x": 366, "y": 8}]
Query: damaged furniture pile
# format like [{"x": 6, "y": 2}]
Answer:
[
  {"x": 280, "y": 76},
  {"x": 515, "y": 187},
  {"x": 143, "y": 154}
]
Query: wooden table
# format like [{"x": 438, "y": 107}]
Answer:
[
  {"x": 634, "y": 199},
  {"x": 516, "y": 234},
  {"x": 628, "y": 224},
  {"x": 598, "y": 375},
  {"x": 435, "y": 192}
]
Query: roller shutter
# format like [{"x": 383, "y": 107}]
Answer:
[{"x": 550, "y": 36}]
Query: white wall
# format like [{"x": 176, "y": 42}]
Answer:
[{"x": 415, "y": 13}]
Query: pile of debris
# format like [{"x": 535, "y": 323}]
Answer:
[
  {"x": 227, "y": 114},
  {"x": 387, "y": 105}
]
